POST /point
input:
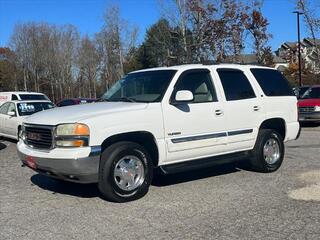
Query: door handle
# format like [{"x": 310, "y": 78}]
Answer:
[
  {"x": 219, "y": 112},
  {"x": 256, "y": 108}
]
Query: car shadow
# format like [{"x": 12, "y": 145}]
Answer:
[
  {"x": 2, "y": 146},
  {"x": 161, "y": 180},
  {"x": 64, "y": 187}
]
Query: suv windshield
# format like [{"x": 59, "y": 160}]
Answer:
[
  {"x": 149, "y": 86},
  {"x": 312, "y": 93},
  {"x": 33, "y": 107},
  {"x": 33, "y": 97}
]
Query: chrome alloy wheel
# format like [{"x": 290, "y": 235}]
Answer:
[
  {"x": 271, "y": 151},
  {"x": 129, "y": 173}
]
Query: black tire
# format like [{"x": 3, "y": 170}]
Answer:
[
  {"x": 109, "y": 159},
  {"x": 258, "y": 161}
]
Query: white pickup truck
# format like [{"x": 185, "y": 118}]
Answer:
[{"x": 173, "y": 118}]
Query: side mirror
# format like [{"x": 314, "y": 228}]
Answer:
[
  {"x": 183, "y": 96},
  {"x": 12, "y": 114}
]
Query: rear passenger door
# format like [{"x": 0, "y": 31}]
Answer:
[{"x": 243, "y": 109}]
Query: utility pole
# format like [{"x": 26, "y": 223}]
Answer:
[{"x": 299, "y": 45}]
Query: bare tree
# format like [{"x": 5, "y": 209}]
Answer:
[
  {"x": 88, "y": 61},
  {"x": 312, "y": 20}
]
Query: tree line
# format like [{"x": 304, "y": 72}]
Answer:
[{"x": 60, "y": 62}]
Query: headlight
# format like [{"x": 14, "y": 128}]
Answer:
[
  {"x": 317, "y": 109},
  {"x": 22, "y": 133},
  {"x": 72, "y": 135}
]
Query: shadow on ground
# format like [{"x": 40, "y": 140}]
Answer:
[
  {"x": 172, "y": 179},
  {"x": 91, "y": 190},
  {"x": 63, "y": 187},
  {"x": 309, "y": 124},
  {"x": 2, "y": 146}
]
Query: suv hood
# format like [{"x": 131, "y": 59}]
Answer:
[
  {"x": 78, "y": 113},
  {"x": 309, "y": 102}
]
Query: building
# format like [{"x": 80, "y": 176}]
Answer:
[{"x": 310, "y": 53}]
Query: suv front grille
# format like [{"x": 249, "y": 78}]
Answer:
[
  {"x": 40, "y": 137},
  {"x": 306, "y": 109}
]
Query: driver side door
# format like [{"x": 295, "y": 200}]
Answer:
[
  {"x": 3, "y": 117},
  {"x": 11, "y": 123},
  {"x": 194, "y": 129}
]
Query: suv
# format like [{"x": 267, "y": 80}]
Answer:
[{"x": 172, "y": 118}]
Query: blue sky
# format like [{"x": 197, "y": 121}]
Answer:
[{"x": 87, "y": 16}]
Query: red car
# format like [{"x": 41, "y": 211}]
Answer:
[
  {"x": 309, "y": 105},
  {"x": 74, "y": 101}
]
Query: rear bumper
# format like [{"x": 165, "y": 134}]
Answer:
[
  {"x": 309, "y": 117},
  {"x": 82, "y": 169},
  {"x": 292, "y": 131}
]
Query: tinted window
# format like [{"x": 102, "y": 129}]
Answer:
[
  {"x": 312, "y": 93},
  {"x": 14, "y": 97},
  {"x": 4, "y": 108},
  {"x": 31, "y": 108},
  {"x": 235, "y": 84},
  {"x": 272, "y": 82},
  {"x": 199, "y": 83},
  {"x": 33, "y": 97},
  {"x": 148, "y": 86}
]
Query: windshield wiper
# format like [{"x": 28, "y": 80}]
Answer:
[{"x": 124, "y": 99}]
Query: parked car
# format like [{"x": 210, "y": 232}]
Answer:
[
  {"x": 13, "y": 113},
  {"x": 12, "y": 96},
  {"x": 309, "y": 105},
  {"x": 173, "y": 118},
  {"x": 300, "y": 91},
  {"x": 75, "y": 101}
]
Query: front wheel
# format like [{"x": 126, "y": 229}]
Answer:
[
  {"x": 125, "y": 172},
  {"x": 268, "y": 152}
]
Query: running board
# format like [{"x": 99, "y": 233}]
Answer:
[{"x": 205, "y": 162}]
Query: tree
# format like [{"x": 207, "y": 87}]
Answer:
[
  {"x": 9, "y": 71},
  {"x": 312, "y": 19},
  {"x": 87, "y": 61},
  {"x": 267, "y": 56},
  {"x": 256, "y": 24}
]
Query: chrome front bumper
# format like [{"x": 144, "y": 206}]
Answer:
[
  {"x": 76, "y": 169},
  {"x": 309, "y": 117}
]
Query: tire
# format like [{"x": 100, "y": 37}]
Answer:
[
  {"x": 134, "y": 163},
  {"x": 268, "y": 152}
]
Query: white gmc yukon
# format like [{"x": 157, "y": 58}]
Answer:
[{"x": 173, "y": 118}]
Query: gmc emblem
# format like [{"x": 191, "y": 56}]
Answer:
[{"x": 34, "y": 136}]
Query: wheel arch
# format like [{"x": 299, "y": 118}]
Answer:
[
  {"x": 144, "y": 138},
  {"x": 277, "y": 124}
]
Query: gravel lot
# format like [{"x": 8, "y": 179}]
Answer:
[{"x": 224, "y": 202}]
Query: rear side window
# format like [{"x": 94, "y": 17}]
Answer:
[
  {"x": 33, "y": 97},
  {"x": 272, "y": 82},
  {"x": 235, "y": 84},
  {"x": 14, "y": 97}
]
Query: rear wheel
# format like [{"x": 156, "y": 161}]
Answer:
[
  {"x": 125, "y": 172},
  {"x": 268, "y": 152}
]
